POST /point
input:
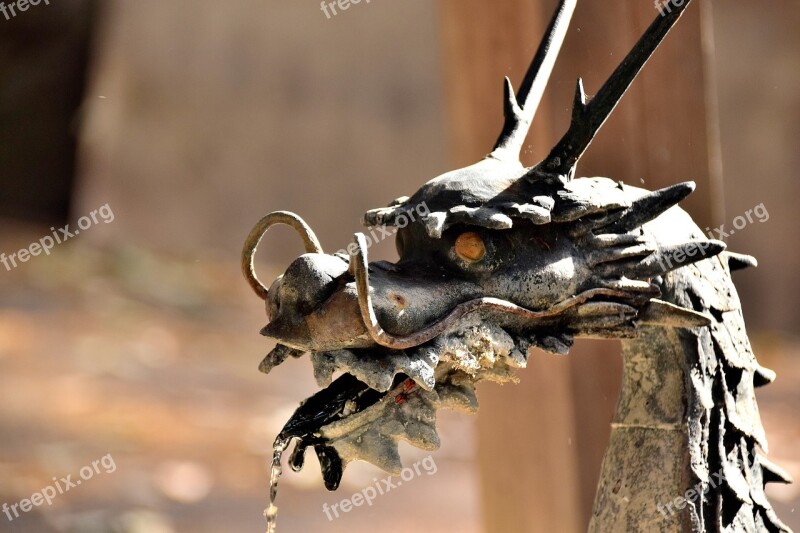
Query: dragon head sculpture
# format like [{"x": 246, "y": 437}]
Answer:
[{"x": 495, "y": 258}]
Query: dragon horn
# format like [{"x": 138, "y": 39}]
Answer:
[
  {"x": 588, "y": 118},
  {"x": 520, "y": 109}
]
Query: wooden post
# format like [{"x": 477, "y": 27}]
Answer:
[{"x": 541, "y": 442}]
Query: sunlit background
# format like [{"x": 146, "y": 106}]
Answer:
[{"x": 180, "y": 123}]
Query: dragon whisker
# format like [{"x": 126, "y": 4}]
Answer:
[{"x": 259, "y": 230}]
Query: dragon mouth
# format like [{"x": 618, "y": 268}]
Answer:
[{"x": 391, "y": 389}]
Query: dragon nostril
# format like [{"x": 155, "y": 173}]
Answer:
[
  {"x": 400, "y": 301},
  {"x": 469, "y": 247}
]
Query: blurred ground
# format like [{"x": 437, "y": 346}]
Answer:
[{"x": 155, "y": 361}]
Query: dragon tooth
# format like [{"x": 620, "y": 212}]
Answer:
[
  {"x": 277, "y": 356},
  {"x": 420, "y": 434},
  {"x": 459, "y": 396},
  {"x": 554, "y": 344},
  {"x": 324, "y": 366},
  {"x": 378, "y": 449},
  {"x": 375, "y": 369}
]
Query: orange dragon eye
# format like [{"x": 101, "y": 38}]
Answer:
[{"x": 469, "y": 247}]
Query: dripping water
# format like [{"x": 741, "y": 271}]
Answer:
[{"x": 271, "y": 512}]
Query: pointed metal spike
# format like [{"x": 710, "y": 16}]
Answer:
[
  {"x": 579, "y": 105},
  {"x": 660, "y": 313},
  {"x": 618, "y": 253},
  {"x": 564, "y": 156},
  {"x": 650, "y": 206},
  {"x": 664, "y": 260},
  {"x": 519, "y": 116},
  {"x": 512, "y": 108},
  {"x": 740, "y": 261},
  {"x": 763, "y": 376},
  {"x": 773, "y": 473}
]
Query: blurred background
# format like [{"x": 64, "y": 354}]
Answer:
[{"x": 179, "y": 124}]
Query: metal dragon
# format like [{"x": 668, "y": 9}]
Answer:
[{"x": 496, "y": 259}]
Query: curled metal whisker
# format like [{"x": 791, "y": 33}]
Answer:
[{"x": 287, "y": 218}]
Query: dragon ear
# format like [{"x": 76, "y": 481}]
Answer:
[
  {"x": 520, "y": 109},
  {"x": 588, "y": 118}
]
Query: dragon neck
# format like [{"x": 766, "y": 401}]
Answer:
[
  {"x": 686, "y": 438},
  {"x": 646, "y": 466}
]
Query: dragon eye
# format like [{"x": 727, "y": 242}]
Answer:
[{"x": 469, "y": 247}]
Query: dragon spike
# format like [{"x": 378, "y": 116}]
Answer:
[
  {"x": 588, "y": 118},
  {"x": 773, "y": 473},
  {"x": 740, "y": 261},
  {"x": 665, "y": 259},
  {"x": 650, "y": 206},
  {"x": 520, "y": 109},
  {"x": 660, "y": 313}
]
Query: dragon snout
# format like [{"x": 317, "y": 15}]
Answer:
[
  {"x": 297, "y": 298},
  {"x": 311, "y": 308}
]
